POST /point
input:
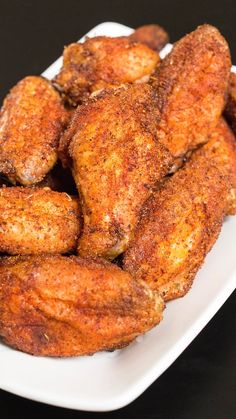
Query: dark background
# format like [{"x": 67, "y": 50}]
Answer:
[{"x": 201, "y": 384}]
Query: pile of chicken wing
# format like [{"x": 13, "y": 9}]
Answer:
[{"x": 116, "y": 177}]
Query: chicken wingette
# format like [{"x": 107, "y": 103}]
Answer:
[
  {"x": 116, "y": 161},
  {"x": 192, "y": 84},
  {"x": 31, "y": 121},
  {"x": 181, "y": 222},
  {"x": 67, "y": 306},
  {"x": 123, "y": 142},
  {"x": 103, "y": 62},
  {"x": 36, "y": 221}
]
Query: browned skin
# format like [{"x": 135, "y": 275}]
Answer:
[
  {"x": 67, "y": 306},
  {"x": 192, "y": 82},
  {"x": 116, "y": 161},
  {"x": 103, "y": 62},
  {"x": 116, "y": 140},
  {"x": 230, "y": 109},
  {"x": 36, "y": 221},
  {"x": 221, "y": 150},
  {"x": 154, "y": 36},
  {"x": 31, "y": 121},
  {"x": 181, "y": 222}
]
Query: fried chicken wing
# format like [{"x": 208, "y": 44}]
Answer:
[
  {"x": 35, "y": 221},
  {"x": 102, "y": 62},
  {"x": 230, "y": 109},
  {"x": 154, "y": 36},
  {"x": 67, "y": 306},
  {"x": 192, "y": 83},
  {"x": 116, "y": 161},
  {"x": 221, "y": 150},
  {"x": 123, "y": 142},
  {"x": 31, "y": 121},
  {"x": 181, "y": 222}
]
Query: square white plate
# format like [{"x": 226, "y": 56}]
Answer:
[{"x": 108, "y": 381}]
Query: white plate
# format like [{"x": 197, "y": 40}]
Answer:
[{"x": 107, "y": 381}]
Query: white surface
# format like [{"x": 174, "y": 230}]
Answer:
[{"x": 107, "y": 381}]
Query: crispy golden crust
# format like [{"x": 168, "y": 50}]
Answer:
[
  {"x": 66, "y": 306},
  {"x": 102, "y": 62},
  {"x": 230, "y": 109},
  {"x": 31, "y": 121},
  {"x": 116, "y": 144},
  {"x": 192, "y": 82},
  {"x": 221, "y": 150},
  {"x": 154, "y": 36},
  {"x": 116, "y": 161},
  {"x": 36, "y": 221},
  {"x": 181, "y": 222}
]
